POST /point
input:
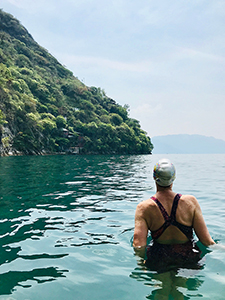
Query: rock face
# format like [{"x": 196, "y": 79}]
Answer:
[
  {"x": 44, "y": 108},
  {"x": 6, "y": 142}
]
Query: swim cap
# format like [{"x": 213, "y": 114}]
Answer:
[{"x": 164, "y": 172}]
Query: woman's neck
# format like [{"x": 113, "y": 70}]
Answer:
[{"x": 163, "y": 189}]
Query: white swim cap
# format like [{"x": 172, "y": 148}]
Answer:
[{"x": 164, "y": 172}]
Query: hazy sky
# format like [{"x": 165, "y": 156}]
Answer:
[{"x": 165, "y": 59}]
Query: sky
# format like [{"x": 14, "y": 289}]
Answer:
[{"x": 165, "y": 59}]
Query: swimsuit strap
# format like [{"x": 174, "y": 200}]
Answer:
[
  {"x": 169, "y": 220},
  {"x": 162, "y": 209},
  {"x": 172, "y": 216},
  {"x": 174, "y": 208}
]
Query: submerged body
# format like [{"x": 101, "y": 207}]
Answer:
[
  {"x": 164, "y": 256},
  {"x": 171, "y": 218}
]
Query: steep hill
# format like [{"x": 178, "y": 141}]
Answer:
[
  {"x": 45, "y": 109},
  {"x": 187, "y": 144}
]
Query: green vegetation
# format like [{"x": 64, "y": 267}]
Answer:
[{"x": 45, "y": 109}]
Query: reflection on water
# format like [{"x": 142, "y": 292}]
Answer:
[
  {"x": 11, "y": 279},
  {"x": 169, "y": 285},
  {"x": 175, "y": 284},
  {"x": 66, "y": 223},
  {"x": 52, "y": 205}
]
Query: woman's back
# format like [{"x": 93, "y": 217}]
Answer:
[{"x": 171, "y": 217}]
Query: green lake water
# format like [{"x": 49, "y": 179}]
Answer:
[{"x": 66, "y": 225}]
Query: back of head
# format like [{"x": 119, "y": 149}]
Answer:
[{"x": 164, "y": 172}]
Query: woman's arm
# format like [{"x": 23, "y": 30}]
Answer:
[
  {"x": 140, "y": 231},
  {"x": 200, "y": 227},
  {"x": 141, "y": 227}
]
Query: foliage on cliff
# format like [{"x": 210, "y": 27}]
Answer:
[{"x": 45, "y": 109}]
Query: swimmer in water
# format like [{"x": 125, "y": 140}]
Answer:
[{"x": 171, "y": 218}]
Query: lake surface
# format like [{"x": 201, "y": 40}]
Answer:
[{"x": 66, "y": 227}]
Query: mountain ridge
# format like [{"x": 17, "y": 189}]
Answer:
[
  {"x": 45, "y": 109},
  {"x": 187, "y": 144}
]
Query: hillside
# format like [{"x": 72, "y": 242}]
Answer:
[
  {"x": 45, "y": 109},
  {"x": 187, "y": 144}
]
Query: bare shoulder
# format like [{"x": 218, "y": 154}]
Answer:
[
  {"x": 145, "y": 205},
  {"x": 189, "y": 200}
]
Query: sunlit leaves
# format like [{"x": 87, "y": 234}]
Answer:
[{"x": 49, "y": 110}]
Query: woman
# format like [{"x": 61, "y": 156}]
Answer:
[{"x": 171, "y": 218}]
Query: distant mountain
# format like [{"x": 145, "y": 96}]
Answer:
[{"x": 187, "y": 144}]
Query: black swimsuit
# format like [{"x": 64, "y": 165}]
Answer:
[
  {"x": 164, "y": 257},
  {"x": 171, "y": 220}
]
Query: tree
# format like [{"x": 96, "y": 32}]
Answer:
[
  {"x": 116, "y": 119},
  {"x": 2, "y": 118},
  {"x": 60, "y": 122},
  {"x": 47, "y": 126}
]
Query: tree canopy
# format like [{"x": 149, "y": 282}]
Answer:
[{"x": 44, "y": 108}]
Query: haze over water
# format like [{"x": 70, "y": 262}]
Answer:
[{"x": 66, "y": 226}]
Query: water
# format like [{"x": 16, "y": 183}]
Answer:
[{"x": 66, "y": 225}]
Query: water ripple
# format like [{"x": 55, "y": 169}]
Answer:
[{"x": 68, "y": 220}]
